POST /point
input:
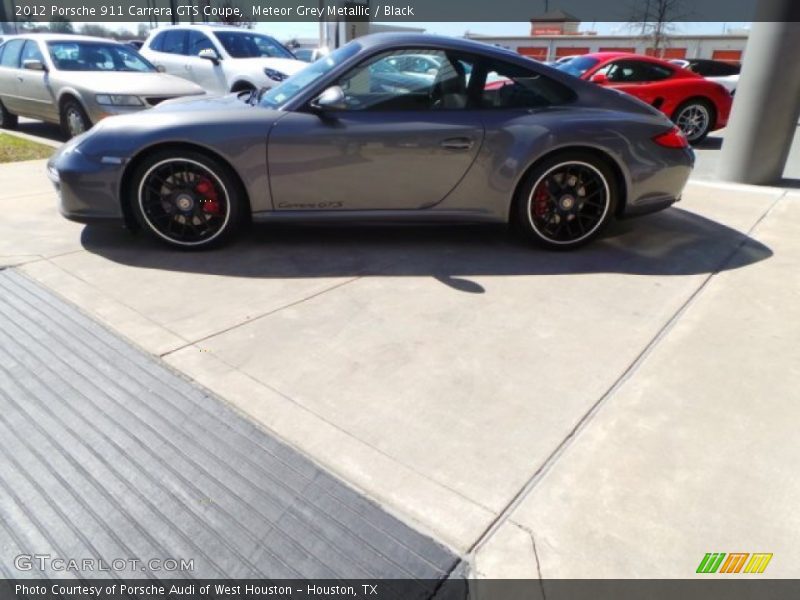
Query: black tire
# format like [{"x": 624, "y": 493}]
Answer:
[
  {"x": 240, "y": 87},
  {"x": 187, "y": 199},
  {"x": 7, "y": 120},
  {"x": 566, "y": 200},
  {"x": 74, "y": 119},
  {"x": 701, "y": 107}
]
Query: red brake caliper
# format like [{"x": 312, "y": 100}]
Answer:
[
  {"x": 540, "y": 197},
  {"x": 206, "y": 189}
]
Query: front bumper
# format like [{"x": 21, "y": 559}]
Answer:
[{"x": 87, "y": 186}]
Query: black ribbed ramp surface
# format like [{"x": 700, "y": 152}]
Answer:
[{"x": 105, "y": 453}]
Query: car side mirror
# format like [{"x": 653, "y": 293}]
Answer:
[
  {"x": 209, "y": 54},
  {"x": 331, "y": 99},
  {"x": 33, "y": 65},
  {"x": 161, "y": 69},
  {"x": 600, "y": 78}
]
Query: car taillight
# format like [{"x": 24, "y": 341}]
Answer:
[{"x": 674, "y": 138}]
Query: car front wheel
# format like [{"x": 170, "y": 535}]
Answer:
[
  {"x": 74, "y": 120},
  {"x": 567, "y": 200},
  {"x": 188, "y": 200},
  {"x": 695, "y": 118}
]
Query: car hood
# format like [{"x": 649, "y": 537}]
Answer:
[
  {"x": 126, "y": 82},
  {"x": 208, "y": 103},
  {"x": 289, "y": 66},
  {"x": 204, "y": 121}
]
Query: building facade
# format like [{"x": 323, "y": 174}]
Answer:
[{"x": 727, "y": 47}]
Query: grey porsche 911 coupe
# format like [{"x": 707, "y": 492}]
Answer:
[{"x": 485, "y": 135}]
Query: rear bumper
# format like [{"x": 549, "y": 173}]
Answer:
[
  {"x": 654, "y": 190},
  {"x": 86, "y": 187}
]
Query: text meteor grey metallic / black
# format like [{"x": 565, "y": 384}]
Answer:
[{"x": 391, "y": 126}]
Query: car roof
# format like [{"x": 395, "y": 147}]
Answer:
[
  {"x": 207, "y": 27},
  {"x": 394, "y": 39}
]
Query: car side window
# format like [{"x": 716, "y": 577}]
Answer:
[
  {"x": 511, "y": 86},
  {"x": 31, "y": 52},
  {"x": 199, "y": 41},
  {"x": 633, "y": 71},
  {"x": 158, "y": 42},
  {"x": 11, "y": 53},
  {"x": 380, "y": 84},
  {"x": 174, "y": 42}
]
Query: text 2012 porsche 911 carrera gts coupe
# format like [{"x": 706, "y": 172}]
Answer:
[{"x": 486, "y": 136}]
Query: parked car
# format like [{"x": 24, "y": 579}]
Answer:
[
  {"x": 221, "y": 58},
  {"x": 76, "y": 81},
  {"x": 562, "y": 60},
  {"x": 135, "y": 44},
  {"x": 696, "y": 105},
  {"x": 557, "y": 156},
  {"x": 310, "y": 54},
  {"x": 708, "y": 67},
  {"x": 724, "y": 73}
]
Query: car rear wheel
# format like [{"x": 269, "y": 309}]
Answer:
[
  {"x": 7, "y": 120},
  {"x": 188, "y": 200},
  {"x": 695, "y": 118},
  {"x": 74, "y": 120},
  {"x": 567, "y": 200}
]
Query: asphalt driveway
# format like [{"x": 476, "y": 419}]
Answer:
[{"x": 485, "y": 392}]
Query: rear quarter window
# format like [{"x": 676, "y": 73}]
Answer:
[{"x": 510, "y": 86}]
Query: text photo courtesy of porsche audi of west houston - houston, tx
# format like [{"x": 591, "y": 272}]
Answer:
[{"x": 402, "y": 300}]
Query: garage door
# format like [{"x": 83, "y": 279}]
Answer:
[
  {"x": 667, "y": 53},
  {"x": 613, "y": 49},
  {"x": 533, "y": 52},
  {"x": 727, "y": 55},
  {"x": 570, "y": 50}
]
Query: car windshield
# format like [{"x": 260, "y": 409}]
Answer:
[
  {"x": 280, "y": 95},
  {"x": 97, "y": 56},
  {"x": 251, "y": 45},
  {"x": 577, "y": 66}
]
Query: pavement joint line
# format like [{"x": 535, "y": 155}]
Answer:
[
  {"x": 549, "y": 462},
  {"x": 102, "y": 293},
  {"x": 538, "y": 562},
  {"x": 260, "y": 316},
  {"x": 402, "y": 516}
]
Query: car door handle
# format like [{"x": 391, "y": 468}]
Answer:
[{"x": 458, "y": 143}]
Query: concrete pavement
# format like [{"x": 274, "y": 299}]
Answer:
[{"x": 498, "y": 397}]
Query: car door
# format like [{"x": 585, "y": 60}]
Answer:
[
  {"x": 33, "y": 87},
  {"x": 401, "y": 142},
  {"x": 204, "y": 72},
  {"x": 10, "y": 73}
]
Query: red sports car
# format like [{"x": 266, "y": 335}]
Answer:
[{"x": 696, "y": 105}]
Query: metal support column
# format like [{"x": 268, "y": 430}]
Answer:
[{"x": 767, "y": 105}]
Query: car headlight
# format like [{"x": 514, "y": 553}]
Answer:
[
  {"x": 275, "y": 75},
  {"x": 119, "y": 100}
]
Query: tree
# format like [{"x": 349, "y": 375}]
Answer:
[
  {"x": 229, "y": 17},
  {"x": 61, "y": 25},
  {"x": 655, "y": 19}
]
